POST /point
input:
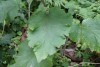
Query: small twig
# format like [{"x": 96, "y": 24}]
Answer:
[
  {"x": 29, "y": 10},
  {"x": 89, "y": 63},
  {"x": 3, "y": 27}
]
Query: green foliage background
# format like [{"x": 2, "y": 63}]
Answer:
[{"x": 46, "y": 22}]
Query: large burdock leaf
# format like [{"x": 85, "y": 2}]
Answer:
[
  {"x": 26, "y": 58},
  {"x": 88, "y": 34},
  {"x": 47, "y": 30}
]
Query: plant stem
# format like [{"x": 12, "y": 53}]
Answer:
[
  {"x": 29, "y": 11},
  {"x": 3, "y": 27},
  {"x": 81, "y": 34}
]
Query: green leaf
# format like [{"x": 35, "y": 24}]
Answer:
[
  {"x": 84, "y": 8},
  {"x": 9, "y": 8},
  {"x": 6, "y": 39},
  {"x": 49, "y": 31},
  {"x": 88, "y": 34},
  {"x": 86, "y": 13},
  {"x": 56, "y": 2},
  {"x": 26, "y": 58},
  {"x": 69, "y": 5},
  {"x": 59, "y": 2}
]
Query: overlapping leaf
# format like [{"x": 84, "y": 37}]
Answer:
[
  {"x": 26, "y": 58},
  {"x": 83, "y": 8},
  {"x": 6, "y": 39},
  {"x": 46, "y": 31},
  {"x": 9, "y": 7},
  {"x": 88, "y": 34}
]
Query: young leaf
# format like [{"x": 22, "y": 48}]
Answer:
[{"x": 49, "y": 31}]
